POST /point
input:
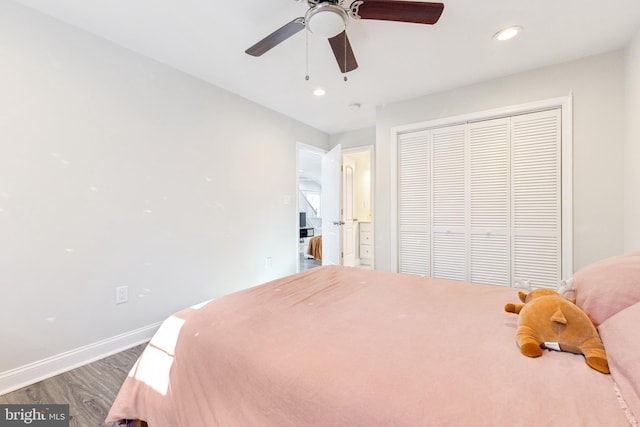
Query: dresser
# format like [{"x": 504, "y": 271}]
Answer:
[{"x": 366, "y": 243}]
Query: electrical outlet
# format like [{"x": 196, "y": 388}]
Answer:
[
  {"x": 122, "y": 294},
  {"x": 268, "y": 262}
]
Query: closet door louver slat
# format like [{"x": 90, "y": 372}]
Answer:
[
  {"x": 489, "y": 202},
  {"x": 413, "y": 204},
  {"x": 449, "y": 202},
  {"x": 536, "y": 201},
  {"x": 481, "y": 201}
]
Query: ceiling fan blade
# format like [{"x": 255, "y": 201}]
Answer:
[
  {"x": 343, "y": 52},
  {"x": 277, "y": 37},
  {"x": 395, "y": 10}
]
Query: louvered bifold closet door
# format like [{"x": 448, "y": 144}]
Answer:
[
  {"x": 449, "y": 203},
  {"x": 413, "y": 204},
  {"x": 536, "y": 200},
  {"x": 489, "y": 202}
]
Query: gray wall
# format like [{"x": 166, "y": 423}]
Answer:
[
  {"x": 116, "y": 170},
  {"x": 354, "y": 139},
  {"x": 598, "y": 88},
  {"x": 632, "y": 149}
]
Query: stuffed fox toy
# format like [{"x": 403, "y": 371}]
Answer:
[{"x": 548, "y": 320}]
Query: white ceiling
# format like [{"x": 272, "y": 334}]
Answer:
[{"x": 396, "y": 61}]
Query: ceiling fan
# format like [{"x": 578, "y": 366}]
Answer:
[{"x": 329, "y": 18}]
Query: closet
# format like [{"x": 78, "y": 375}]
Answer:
[{"x": 481, "y": 201}]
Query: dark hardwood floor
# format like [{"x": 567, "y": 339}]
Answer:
[{"x": 89, "y": 390}]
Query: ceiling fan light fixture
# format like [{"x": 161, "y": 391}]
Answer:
[
  {"x": 507, "y": 33},
  {"x": 326, "y": 20},
  {"x": 329, "y": 19}
]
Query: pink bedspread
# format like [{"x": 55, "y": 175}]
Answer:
[{"x": 339, "y": 346}]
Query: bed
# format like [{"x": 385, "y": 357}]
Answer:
[{"x": 342, "y": 346}]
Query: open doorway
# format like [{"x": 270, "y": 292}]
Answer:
[
  {"x": 357, "y": 196},
  {"x": 354, "y": 197},
  {"x": 309, "y": 196}
]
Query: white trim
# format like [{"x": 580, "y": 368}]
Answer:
[
  {"x": 529, "y": 107},
  {"x": 46, "y": 368},
  {"x": 565, "y": 103},
  {"x": 567, "y": 187},
  {"x": 393, "y": 187}
]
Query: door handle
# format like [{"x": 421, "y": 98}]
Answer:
[{"x": 338, "y": 222}]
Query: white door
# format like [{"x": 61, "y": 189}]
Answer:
[
  {"x": 331, "y": 220},
  {"x": 349, "y": 228}
]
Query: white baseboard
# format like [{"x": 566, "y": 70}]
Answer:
[{"x": 46, "y": 368}]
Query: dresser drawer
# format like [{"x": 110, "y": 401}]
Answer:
[
  {"x": 365, "y": 226},
  {"x": 365, "y": 251},
  {"x": 365, "y": 237}
]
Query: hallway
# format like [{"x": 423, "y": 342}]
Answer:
[{"x": 308, "y": 263}]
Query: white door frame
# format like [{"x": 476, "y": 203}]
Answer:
[
  {"x": 312, "y": 148},
  {"x": 370, "y": 149},
  {"x": 301, "y": 146},
  {"x": 349, "y": 227}
]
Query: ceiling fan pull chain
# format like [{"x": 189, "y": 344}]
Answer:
[
  {"x": 306, "y": 36},
  {"x": 345, "y": 55}
]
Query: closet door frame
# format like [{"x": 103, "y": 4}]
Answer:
[{"x": 564, "y": 103}]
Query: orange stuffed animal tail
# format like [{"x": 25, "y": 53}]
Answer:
[{"x": 558, "y": 317}]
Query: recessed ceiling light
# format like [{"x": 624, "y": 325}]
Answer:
[
  {"x": 507, "y": 33},
  {"x": 319, "y": 91}
]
